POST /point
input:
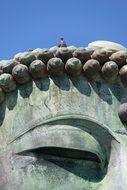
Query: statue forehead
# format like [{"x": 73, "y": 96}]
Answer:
[
  {"x": 38, "y": 101},
  {"x": 64, "y": 90}
]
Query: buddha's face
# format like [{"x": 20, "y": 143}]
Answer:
[{"x": 63, "y": 134}]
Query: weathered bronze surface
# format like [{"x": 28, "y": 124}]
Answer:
[{"x": 62, "y": 131}]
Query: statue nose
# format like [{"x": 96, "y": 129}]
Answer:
[{"x": 117, "y": 169}]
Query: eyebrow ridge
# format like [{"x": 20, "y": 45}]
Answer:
[{"x": 77, "y": 117}]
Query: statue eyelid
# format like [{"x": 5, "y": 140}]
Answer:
[
  {"x": 51, "y": 134},
  {"x": 62, "y": 141}
]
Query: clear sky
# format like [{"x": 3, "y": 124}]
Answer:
[{"x": 28, "y": 24}]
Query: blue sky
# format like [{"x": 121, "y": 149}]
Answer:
[{"x": 28, "y": 24}]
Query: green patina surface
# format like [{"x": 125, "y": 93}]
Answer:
[{"x": 67, "y": 113}]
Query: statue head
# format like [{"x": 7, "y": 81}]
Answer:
[{"x": 62, "y": 131}]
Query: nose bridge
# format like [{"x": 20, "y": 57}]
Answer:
[
  {"x": 116, "y": 178},
  {"x": 123, "y": 166}
]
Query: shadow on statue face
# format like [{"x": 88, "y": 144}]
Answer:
[{"x": 53, "y": 142}]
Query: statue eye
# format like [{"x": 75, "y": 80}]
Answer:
[
  {"x": 63, "y": 141},
  {"x": 59, "y": 160},
  {"x": 66, "y": 153}
]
